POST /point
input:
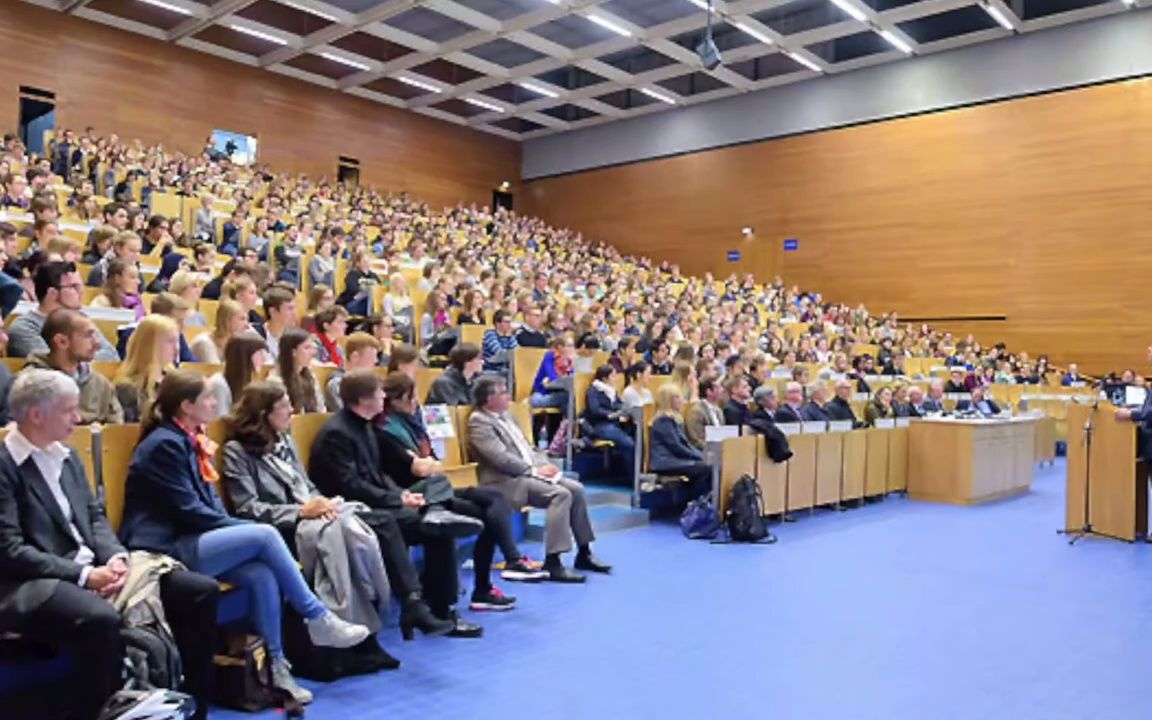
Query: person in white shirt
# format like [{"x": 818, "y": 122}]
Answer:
[
  {"x": 62, "y": 567},
  {"x": 637, "y": 394}
]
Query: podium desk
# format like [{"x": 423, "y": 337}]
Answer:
[
  {"x": 1119, "y": 500},
  {"x": 970, "y": 461}
]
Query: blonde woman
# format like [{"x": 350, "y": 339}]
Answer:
[
  {"x": 684, "y": 377},
  {"x": 398, "y": 306},
  {"x": 188, "y": 286},
  {"x": 669, "y": 452},
  {"x": 121, "y": 289},
  {"x": 152, "y": 350},
  {"x": 231, "y": 320}
]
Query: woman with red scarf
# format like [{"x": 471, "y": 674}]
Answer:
[
  {"x": 171, "y": 507},
  {"x": 330, "y": 326}
]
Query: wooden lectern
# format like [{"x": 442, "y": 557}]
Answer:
[{"x": 1118, "y": 506}]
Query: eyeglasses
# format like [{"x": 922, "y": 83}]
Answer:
[{"x": 71, "y": 286}]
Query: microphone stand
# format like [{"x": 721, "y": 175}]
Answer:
[{"x": 1087, "y": 529}]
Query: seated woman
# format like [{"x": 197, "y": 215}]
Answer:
[
  {"x": 294, "y": 369},
  {"x": 121, "y": 289},
  {"x": 670, "y": 453},
  {"x": 231, "y": 320},
  {"x": 266, "y": 483},
  {"x": 188, "y": 286},
  {"x": 558, "y": 362},
  {"x": 471, "y": 309},
  {"x": 637, "y": 394},
  {"x": 880, "y": 408},
  {"x": 608, "y": 419},
  {"x": 170, "y": 507},
  {"x": 684, "y": 377},
  {"x": 320, "y": 297},
  {"x": 243, "y": 357},
  {"x": 152, "y": 350},
  {"x": 398, "y": 306},
  {"x": 358, "y": 283},
  {"x": 900, "y": 405},
  {"x": 437, "y": 334},
  {"x": 407, "y": 456},
  {"x": 322, "y": 266},
  {"x": 331, "y": 326}
]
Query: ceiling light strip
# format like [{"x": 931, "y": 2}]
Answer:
[
  {"x": 418, "y": 84},
  {"x": 852, "y": 9},
  {"x": 268, "y": 37},
  {"x": 168, "y": 6},
  {"x": 310, "y": 11},
  {"x": 804, "y": 61},
  {"x": 753, "y": 32},
  {"x": 998, "y": 16},
  {"x": 344, "y": 61},
  {"x": 895, "y": 41},
  {"x": 657, "y": 96},
  {"x": 485, "y": 105},
  {"x": 608, "y": 24},
  {"x": 537, "y": 89}
]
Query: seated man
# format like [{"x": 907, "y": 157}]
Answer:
[
  {"x": 789, "y": 412},
  {"x": 454, "y": 386},
  {"x": 934, "y": 403},
  {"x": 956, "y": 384},
  {"x": 72, "y": 337},
  {"x": 916, "y": 402},
  {"x": 362, "y": 352},
  {"x": 705, "y": 413},
  {"x": 61, "y": 565},
  {"x": 763, "y": 422},
  {"x": 981, "y": 404},
  {"x": 507, "y": 464},
  {"x": 346, "y": 463},
  {"x": 814, "y": 410},
  {"x": 499, "y": 343},
  {"x": 57, "y": 285},
  {"x": 739, "y": 393},
  {"x": 840, "y": 407}
]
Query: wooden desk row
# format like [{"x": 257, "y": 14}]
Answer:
[{"x": 825, "y": 469}]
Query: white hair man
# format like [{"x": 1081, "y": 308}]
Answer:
[{"x": 61, "y": 565}]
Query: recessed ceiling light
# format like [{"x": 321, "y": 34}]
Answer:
[
  {"x": 168, "y": 6},
  {"x": 537, "y": 89},
  {"x": 305, "y": 8},
  {"x": 418, "y": 84},
  {"x": 258, "y": 34},
  {"x": 609, "y": 25},
  {"x": 344, "y": 61},
  {"x": 657, "y": 96},
  {"x": 485, "y": 105}
]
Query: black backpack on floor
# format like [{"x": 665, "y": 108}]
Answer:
[{"x": 744, "y": 519}]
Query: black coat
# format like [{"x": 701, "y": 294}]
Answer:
[
  {"x": 839, "y": 409},
  {"x": 345, "y": 461},
  {"x": 36, "y": 547}
]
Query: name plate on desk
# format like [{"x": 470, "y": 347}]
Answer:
[
  {"x": 789, "y": 428},
  {"x": 957, "y": 397},
  {"x": 814, "y": 428},
  {"x": 840, "y": 426},
  {"x": 885, "y": 423},
  {"x": 861, "y": 397},
  {"x": 720, "y": 433},
  {"x": 902, "y": 422}
]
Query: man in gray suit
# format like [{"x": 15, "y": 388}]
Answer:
[
  {"x": 934, "y": 403},
  {"x": 507, "y": 463}
]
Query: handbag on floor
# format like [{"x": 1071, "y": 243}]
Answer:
[
  {"x": 699, "y": 520},
  {"x": 243, "y": 677}
]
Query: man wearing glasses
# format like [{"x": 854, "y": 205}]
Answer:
[
  {"x": 58, "y": 285},
  {"x": 499, "y": 344}
]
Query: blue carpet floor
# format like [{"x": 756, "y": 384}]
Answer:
[{"x": 896, "y": 610}]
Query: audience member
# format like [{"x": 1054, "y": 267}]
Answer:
[
  {"x": 671, "y": 453},
  {"x": 72, "y": 339},
  {"x": 57, "y": 286}
]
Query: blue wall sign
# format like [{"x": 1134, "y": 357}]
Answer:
[
  {"x": 733, "y": 256},
  {"x": 791, "y": 244}
]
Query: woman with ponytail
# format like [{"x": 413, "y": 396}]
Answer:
[{"x": 172, "y": 507}]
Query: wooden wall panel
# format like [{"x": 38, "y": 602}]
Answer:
[
  {"x": 1035, "y": 209},
  {"x": 142, "y": 88}
]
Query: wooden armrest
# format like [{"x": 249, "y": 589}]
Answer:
[{"x": 462, "y": 476}]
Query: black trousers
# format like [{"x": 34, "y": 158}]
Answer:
[
  {"x": 490, "y": 507},
  {"x": 398, "y": 529},
  {"x": 90, "y": 626},
  {"x": 699, "y": 478},
  {"x": 190, "y": 601}
]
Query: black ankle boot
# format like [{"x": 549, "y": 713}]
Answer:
[{"x": 417, "y": 615}]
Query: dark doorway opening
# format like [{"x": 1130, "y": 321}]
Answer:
[
  {"x": 37, "y": 116},
  {"x": 349, "y": 171}
]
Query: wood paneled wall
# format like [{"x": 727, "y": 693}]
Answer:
[
  {"x": 1038, "y": 209},
  {"x": 142, "y": 88}
]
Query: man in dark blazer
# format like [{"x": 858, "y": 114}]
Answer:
[
  {"x": 934, "y": 403},
  {"x": 345, "y": 462},
  {"x": 980, "y": 403},
  {"x": 813, "y": 411},
  {"x": 61, "y": 563},
  {"x": 839, "y": 408},
  {"x": 736, "y": 410},
  {"x": 789, "y": 411}
]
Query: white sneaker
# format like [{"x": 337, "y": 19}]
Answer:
[
  {"x": 282, "y": 679},
  {"x": 328, "y": 630}
]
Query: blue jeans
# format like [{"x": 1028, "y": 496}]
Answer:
[
  {"x": 625, "y": 451},
  {"x": 549, "y": 400},
  {"x": 254, "y": 557}
]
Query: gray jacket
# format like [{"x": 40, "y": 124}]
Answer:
[
  {"x": 24, "y": 338},
  {"x": 341, "y": 557},
  {"x": 493, "y": 448}
]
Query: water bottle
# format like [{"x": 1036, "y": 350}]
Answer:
[{"x": 542, "y": 442}]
